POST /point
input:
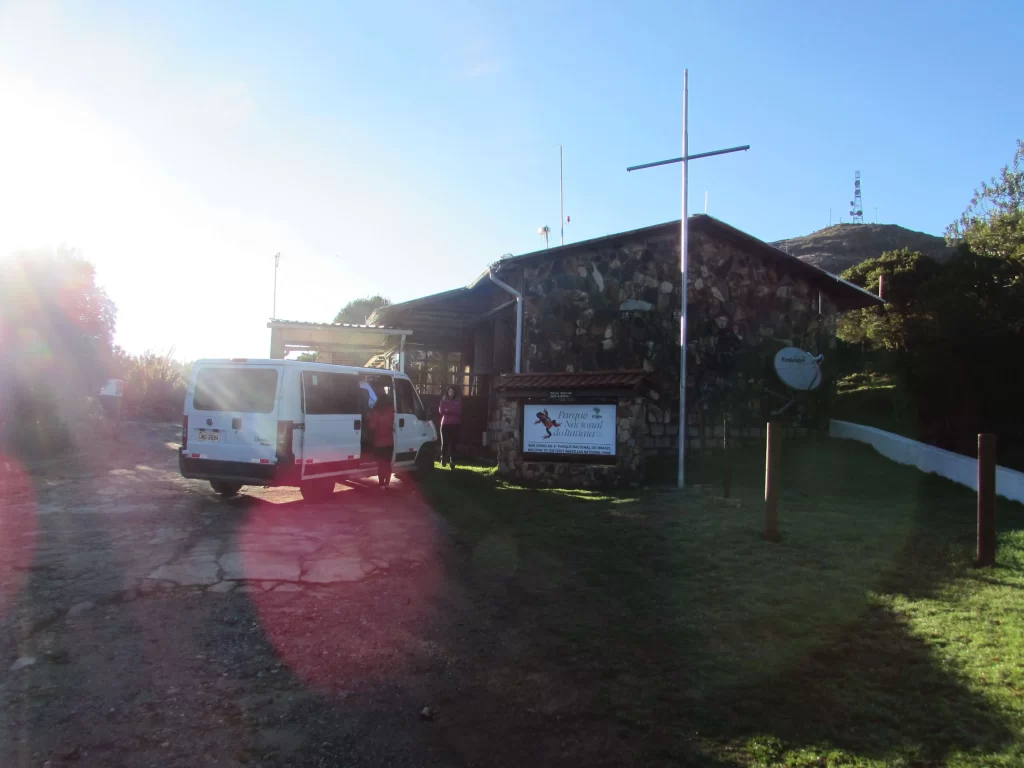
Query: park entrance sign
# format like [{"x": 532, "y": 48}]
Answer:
[
  {"x": 798, "y": 369},
  {"x": 569, "y": 430}
]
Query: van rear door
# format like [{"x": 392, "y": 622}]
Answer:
[
  {"x": 233, "y": 413},
  {"x": 333, "y": 423}
]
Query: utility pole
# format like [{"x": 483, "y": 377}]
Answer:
[
  {"x": 684, "y": 265},
  {"x": 277, "y": 260}
]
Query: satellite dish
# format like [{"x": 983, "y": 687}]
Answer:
[
  {"x": 798, "y": 369},
  {"x": 544, "y": 232}
]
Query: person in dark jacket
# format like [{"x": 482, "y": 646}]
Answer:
[
  {"x": 382, "y": 425},
  {"x": 450, "y": 411}
]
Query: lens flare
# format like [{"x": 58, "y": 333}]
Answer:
[
  {"x": 18, "y": 528},
  {"x": 366, "y": 572}
]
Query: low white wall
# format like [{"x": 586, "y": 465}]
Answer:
[{"x": 954, "y": 466}]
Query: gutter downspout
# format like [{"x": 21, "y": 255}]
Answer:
[{"x": 519, "y": 315}]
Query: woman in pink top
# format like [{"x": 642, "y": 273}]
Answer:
[{"x": 450, "y": 411}]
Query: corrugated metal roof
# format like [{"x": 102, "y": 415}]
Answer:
[
  {"x": 278, "y": 322},
  {"x": 622, "y": 379},
  {"x": 449, "y": 294}
]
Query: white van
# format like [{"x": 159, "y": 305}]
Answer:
[{"x": 284, "y": 422}]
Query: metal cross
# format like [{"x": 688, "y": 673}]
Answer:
[{"x": 684, "y": 267}]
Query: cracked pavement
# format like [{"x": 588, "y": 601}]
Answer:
[
  {"x": 95, "y": 532},
  {"x": 145, "y": 620}
]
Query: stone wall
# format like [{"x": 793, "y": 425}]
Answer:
[
  {"x": 603, "y": 308},
  {"x": 742, "y": 310},
  {"x": 615, "y": 305},
  {"x": 627, "y": 471}
]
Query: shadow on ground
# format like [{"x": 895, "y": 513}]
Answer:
[
  {"x": 662, "y": 630},
  {"x": 539, "y": 627}
]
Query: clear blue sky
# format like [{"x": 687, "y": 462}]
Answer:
[{"x": 400, "y": 147}]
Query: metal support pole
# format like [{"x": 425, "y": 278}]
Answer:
[
  {"x": 401, "y": 354},
  {"x": 519, "y": 315},
  {"x": 561, "y": 207},
  {"x": 986, "y": 500},
  {"x": 277, "y": 260},
  {"x": 772, "y": 487},
  {"x": 684, "y": 255}
]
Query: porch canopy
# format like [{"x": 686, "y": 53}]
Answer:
[{"x": 338, "y": 343}]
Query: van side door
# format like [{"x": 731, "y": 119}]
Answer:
[
  {"x": 412, "y": 428},
  {"x": 333, "y": 423}
]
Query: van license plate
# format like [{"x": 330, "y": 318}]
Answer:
[{"x": 211, "y": 437}]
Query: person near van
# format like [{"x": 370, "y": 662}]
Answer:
[
  {"x": 450, "y": 411},
  {"x": 382, "y": 425},
  {"x": 371, "y": 396}
]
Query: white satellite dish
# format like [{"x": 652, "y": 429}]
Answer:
[{"x": 798, "y": 369}]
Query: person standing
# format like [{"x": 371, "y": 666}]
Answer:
[
  {"x": 382, "y": 425},
  {"x": 450, "y": 411}
]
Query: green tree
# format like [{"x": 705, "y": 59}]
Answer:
[
  {"x": 905, "y": 274},
  {"x": 993, "y": 223},
  {"x": 358, "y": 311},
  {"x": 56, "y": 328},
  {"x": 154, "y": 384},
  {"x": 954, "y": 332},
  {"x": 308, "y": 357}
]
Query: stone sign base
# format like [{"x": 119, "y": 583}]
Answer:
[{"x": 625, "y": 470}]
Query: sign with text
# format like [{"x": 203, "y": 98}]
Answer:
[{"x": 582, "y": 430}]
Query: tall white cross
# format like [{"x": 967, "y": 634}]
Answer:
[{"x": 684, "y": 267}]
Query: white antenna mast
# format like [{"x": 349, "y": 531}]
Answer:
[
  {"x": 277, "y": 260},
  {"x": 561, "y": 198},
  {"x": 705, "y": 201}
]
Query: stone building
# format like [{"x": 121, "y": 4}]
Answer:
[{"x": 611, "y": 306}]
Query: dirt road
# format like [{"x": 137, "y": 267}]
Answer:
[{"x": 147, "y": 621}]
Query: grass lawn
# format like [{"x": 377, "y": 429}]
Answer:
[{"x": 657, "y": 628}]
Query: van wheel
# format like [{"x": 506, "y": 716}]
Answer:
[
  {"x": 316, "y": 491},
  {"x": 425, "y": 460},
  {"x": 225, "y": 488}
]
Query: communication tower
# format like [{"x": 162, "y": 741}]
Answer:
[{"x": 856, "y": 205}]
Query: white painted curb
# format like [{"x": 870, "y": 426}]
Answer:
[{"x": 953, "y": 466}]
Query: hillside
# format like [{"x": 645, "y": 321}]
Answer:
[{"x": 842, "y": 246}]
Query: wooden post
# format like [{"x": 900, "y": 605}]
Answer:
[
  {"x": 727, "y": 478},
  {"x": 772, "y": 487},
  {"x": 986, "y": 500}
]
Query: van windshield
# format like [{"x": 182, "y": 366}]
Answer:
[{"x": 246, "y": 390}]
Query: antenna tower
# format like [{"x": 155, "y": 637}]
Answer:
[{"x": 856, "y": 205}]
